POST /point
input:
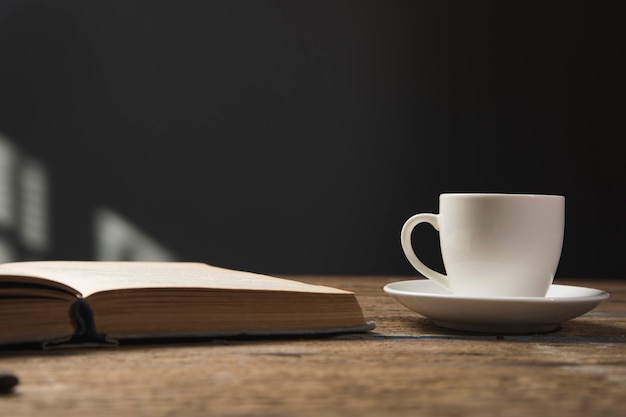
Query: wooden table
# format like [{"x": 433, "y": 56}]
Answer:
[{"x": 406, "y": 366}]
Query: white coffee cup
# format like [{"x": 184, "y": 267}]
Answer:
[{"x": 494, "y": 245}]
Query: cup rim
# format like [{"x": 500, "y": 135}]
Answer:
[{"x": 501, "y": 195}]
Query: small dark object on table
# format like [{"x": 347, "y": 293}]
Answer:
[{"x": 7, "y": 382}]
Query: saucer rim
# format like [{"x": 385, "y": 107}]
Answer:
[{"x": 599, "y": 295}]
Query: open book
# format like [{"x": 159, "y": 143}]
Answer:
[{"x": 55, "y": 302}]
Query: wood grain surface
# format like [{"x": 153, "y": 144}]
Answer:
[{"x": 406, "y": 366}]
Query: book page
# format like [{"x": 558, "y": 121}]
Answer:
[
  {"x": 89, "y": 277},
  {"x": 14, "y": 279}
]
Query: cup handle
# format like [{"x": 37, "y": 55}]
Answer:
[{"x": 405, "y": 240}]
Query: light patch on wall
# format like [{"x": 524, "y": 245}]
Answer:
[
  {"x": 7, "y": 250},
  {"x": 8, "y": 160},
  {"x": 117, "y": 239},
  {"x": 25, "y": 217},
  {"x": 33, "y": 201},
  {"x": 24, "y": 204}
]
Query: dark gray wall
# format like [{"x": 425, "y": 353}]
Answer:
[{"x": 296, "y": 137}]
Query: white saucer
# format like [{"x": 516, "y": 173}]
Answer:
[{"x": 496, "y": 314}]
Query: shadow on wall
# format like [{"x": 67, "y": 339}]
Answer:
[{"x": 25, "y": 217}]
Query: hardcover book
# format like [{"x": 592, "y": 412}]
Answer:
[{"x": 88, "y": 302}]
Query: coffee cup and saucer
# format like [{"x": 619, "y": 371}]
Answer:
[{"x": 500, "y": 252}]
